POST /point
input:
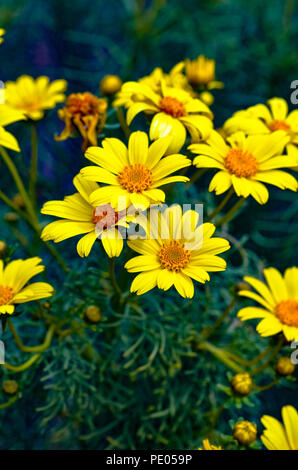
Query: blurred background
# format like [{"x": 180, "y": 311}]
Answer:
[{"x": 255, "y": 47}]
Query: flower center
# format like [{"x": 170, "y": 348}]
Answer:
[
  {"x": 241, "y": 163},
  {"x": 105, "y": 216},
  {"x": 287, "y": 312},
  {"x": 136, "y": 178},
  {"x": 172, "y": 106},
  {"x": 6, "y": 294},
  {"x": 279, "y": 126},
  {"x": 173, "y": 255}
]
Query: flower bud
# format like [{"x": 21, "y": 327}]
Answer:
[
  {"x": 207, "y": 98},
  {"x": 110, "y": 84},
  {"x": 3, "y": 248},
  {"x": 10, "y": 387},
  {"x": 242, "y": 286},
  {"x": 92, "y": 314},
  {"x": 11, "y": 217},
  {"x": 18, "y": 201},
  {"x": 242, "y": 383},
  {"x": 285, "y": 366},
  {"x": 245, "y": 432},
  {"x": 47, "y": 305}
]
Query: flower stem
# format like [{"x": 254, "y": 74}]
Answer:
[
  {"x": 208, "y": 331},
  {"x": 221, "y": 355},
  {"x": 34, "y": 164},
  {"x": 221, "y": 205},
  {"x": 122, "y": 122},
  {"x": 23, "y": 366},
  {"x": 40, "y": 348},
  {"x": 275, "y": 351},
  {"x": 9, "y": 402},
  {"x": 15, "y": 174},
  {"x": 113, "y": 277},
  {"x": 196, "y": 176},
  {"x": 231, "y": 213},
  {"x": 267, "y": 386}
]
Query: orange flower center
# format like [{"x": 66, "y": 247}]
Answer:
[
  {"x": 6, "y": 294},
  {"x": 173, "y": 256},
  {"x": 279, "y": 126},
  {"x": 287, "y": 312},
  {"x": 172, "y": 106},
  {"x": 136, "y": 178},
  {"x": 105, "y": 216},
  {"x": 241, "y": 163},
  {"x": 84, "y": 104}
]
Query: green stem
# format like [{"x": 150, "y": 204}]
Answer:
[
  {"x": 23, "y": 366},
  {"x": 232, "y": 212},
  {"x": 221, "y": 205},
  {"x": 40, "y": 348},
  {"x": 196, "y": 176},
  {"x": 273, "y": 354},
  {"x": 208, "y": 331},
  {"x": 10, "y": 402},
  {"x": 34, "y": 164},
  {"x": 266, "y": 387},
  {"x": 221, "y": 355},
  {"x": 112, "y": 276},
  {"x": 122, "y": 122},
  {"x": 253, "y": 361},
  {"x": 15, "y": 174},
  {"x": 13, "y": 206}
]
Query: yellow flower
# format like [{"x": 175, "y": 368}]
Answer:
[
  {"x": 174, "y": 109},
  {"x": 34, "y": 97},
  {"x": 260, "y": 119},
  {"x": 82, "y": 217},
  {"x": 208, "y": 446},
  {"x": 176, "y": 251},
  {"x": 132, "y": 174},
  {"x": 86, "y": 113},
  {"x": 201, "y": 73},
  {"x": 279, "y": 436},
  {"x": 279, "y": 299},
  {"x": 245, "y": 432},
  {"x": 9, "y": 115},
  {"x": 246, "y": 163},
  {"x": 242, "y": 383},
  {"x": 2, "y": 32},
  {"x": 13, "y": 284}
]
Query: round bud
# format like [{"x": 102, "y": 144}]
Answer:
[
  {"x": 110, "y": 84},
  {"x": 47, "y": 305},
  {"x": 3, "y": 248},
  {"x": 10, "y": 387},
  {"x": 19, "y": 201},
  {"x": 242, "y": 286},
  {"x": 284, "y": 366},
  {"x": 245, "y": 432},
  {"x": 242, "y": 383},
  {"x": 207, "y": 98},
  {"x": 92, "y": 314},
  {"x": 11, "y": 217}
]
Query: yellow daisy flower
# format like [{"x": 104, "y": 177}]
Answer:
[
  {"x": 201, "y": 73},
  {"x": 8, "y": 116},
  {"x": 246, "y": 163},
  {"x": 260, "y": 119},
  {"x": 174, "y": 78},
  {"x": 132, "y": 174},
  {"x": 174, "y": 109},
  {"x": 177, "y": 251},
  {"x": 279, "y": 436},
  {"x": 208, "y": 446},
  {"x": 82, "y": 217},
  {"x": 279, "y": 301},
  {"x": 34, "y": 97},
  {"x": 2, "y": 32},
  {"x": 13, "y": 284}
]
